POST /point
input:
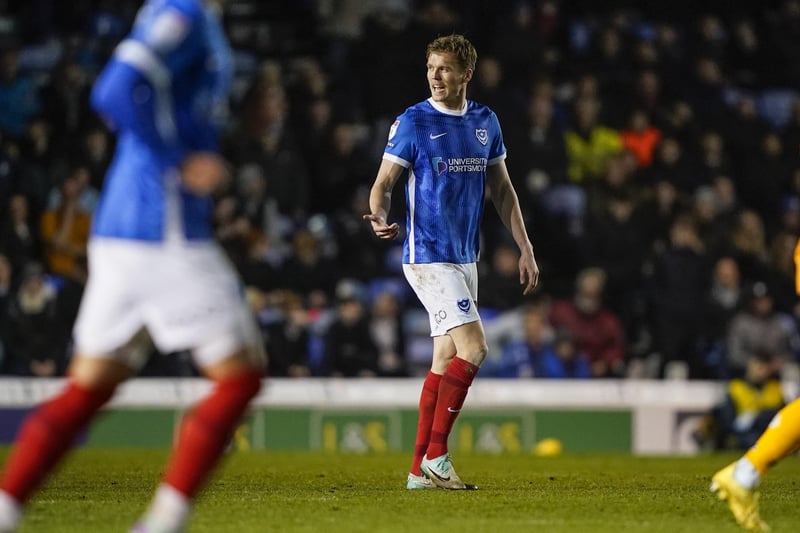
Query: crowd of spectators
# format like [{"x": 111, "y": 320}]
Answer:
[{"x": 655, "y": 150}]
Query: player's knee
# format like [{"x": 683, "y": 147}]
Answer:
[
  {"x": 481, "y": 353},
  {"x": 97, "y": 373},
  {"x": 476, "y": 354}
]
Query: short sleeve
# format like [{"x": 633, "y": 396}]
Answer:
[
  {"x": 166, "y": 31},
  {"x": 497, "y": 150},
  {"x": 401, "y": 144}
]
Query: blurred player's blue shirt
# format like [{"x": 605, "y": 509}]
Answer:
[
  {"x": 446, "y": 154},
  {"x": 165, "y": 93}
]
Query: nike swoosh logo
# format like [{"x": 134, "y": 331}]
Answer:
[
  {"x": 440, "y": 478},
  {"x": 451, "y": 410},
  {"x": 432, "y": 136}
]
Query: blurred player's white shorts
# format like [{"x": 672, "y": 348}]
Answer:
[
  {"x": 186, "y": 295},
  {"x": 447, "y": 291}
]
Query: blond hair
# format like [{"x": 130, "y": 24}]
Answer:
[{"x": 455, "y": 44}]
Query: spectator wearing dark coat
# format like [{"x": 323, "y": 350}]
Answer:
[
  {"x": 677, "y": 287},
  {"x": 349, "y": 348}
]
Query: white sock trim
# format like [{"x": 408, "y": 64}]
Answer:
[
  {"x": 10, "y": 512},
  {"x": 746, "y": 474},
  {"x": 169, "y": 509}
]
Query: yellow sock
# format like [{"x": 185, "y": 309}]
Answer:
[{"x": 781, "y": 438}]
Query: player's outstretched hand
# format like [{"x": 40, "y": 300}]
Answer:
[
  {"x": 381, "y": 229},
  {"x": 528, "y": 272},
  {"x": 203, "y": 172}
]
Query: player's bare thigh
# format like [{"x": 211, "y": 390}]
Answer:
[{"x": 108, "y": 372}]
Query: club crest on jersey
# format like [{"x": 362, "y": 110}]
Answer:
[
  {"x": 464, "y": 305},
  {"x": 393, "y": 129},
  {"x": 439, "y": 165},
  {"x": 482, "y": 135}
]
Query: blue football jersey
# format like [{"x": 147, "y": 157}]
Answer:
[
  {"x": 446, "y": 153},
  {"x": 165, "y": 92}
]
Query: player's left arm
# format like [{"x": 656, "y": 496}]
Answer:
[{"x": 505, "y": 200}]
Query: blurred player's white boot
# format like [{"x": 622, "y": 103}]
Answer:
[
  {"x": 167, "y": 513},
  {"x": 418, "y": 482},
  {"x": 10, "y": 513},
  {"x": 440, "y": 471}
]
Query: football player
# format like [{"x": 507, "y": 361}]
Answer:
[
  {"x": 451, "y": 149},
  {"x": 155, "y": 272}
]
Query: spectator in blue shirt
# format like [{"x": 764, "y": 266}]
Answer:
[{"x": 543, "y": 353}]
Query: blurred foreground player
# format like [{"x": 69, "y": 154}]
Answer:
[
  {"x": 452, "y": 149},
  {"x": 155, "y": 272},
  {"x": 738, "y": 482}
]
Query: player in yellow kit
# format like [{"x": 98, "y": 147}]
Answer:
[{"x": 738, "y": 482}]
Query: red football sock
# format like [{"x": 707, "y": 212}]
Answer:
[
  {"x": 205, "y": 432},
  {"x": 427, "y": 406},
  {"x": 46, "y": 435},
  {"x": 452, "y": 392}
]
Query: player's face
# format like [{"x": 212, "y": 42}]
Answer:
[{"x": 447, "y": 80}]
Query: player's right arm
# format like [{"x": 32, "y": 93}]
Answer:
[
  {"x": 124, "y": 97},
  {"x": 133, "y": 92},
  {"x": 400, "y": 151},
  {"x": 380, "y": 199}
]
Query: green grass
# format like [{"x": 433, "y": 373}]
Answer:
[{"x": 105, "y": 490}]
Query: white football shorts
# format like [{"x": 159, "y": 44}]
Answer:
[
  {"x": 186, "y": 295},
  {"x": 447, "y": 291}
]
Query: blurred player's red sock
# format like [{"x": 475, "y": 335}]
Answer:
[
  {"x": 427, "y": 407},
  {"x": 46, "y": 435},
  {"x": 452, "y": 392},
  {"x": 205, "y": 432}
]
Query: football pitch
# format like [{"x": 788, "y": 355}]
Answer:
[{"x": 104, "y": 490}]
